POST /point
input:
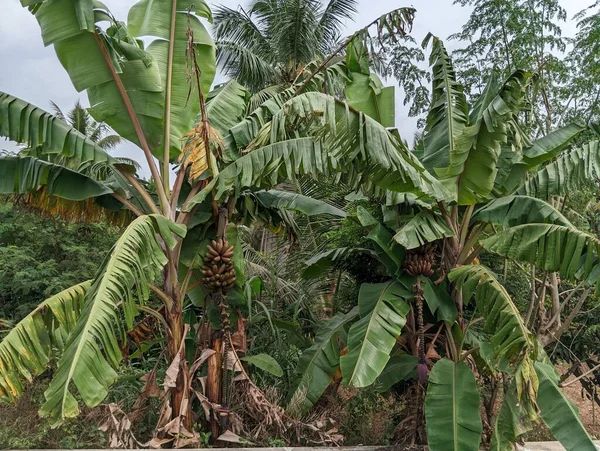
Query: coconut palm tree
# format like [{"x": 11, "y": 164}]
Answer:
[
  {"x": 270, "y": 42},
  {"x": 79, "y": 118}
]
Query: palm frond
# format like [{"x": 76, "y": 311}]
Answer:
[
  {"x": 109, "y": 142},
  {"x": 79, "y": 118},
  {"x": 295, "y": 29},
  {"x": 57, "y": 111},
  {"x": 236, "y": 26},
  {"x": 331, "y": 21},
  {"x": 248, "y": 68}
]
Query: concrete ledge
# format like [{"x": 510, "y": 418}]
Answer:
[
  {"x": 529, "y": 446},
  {"x": 546, "y": 446}
]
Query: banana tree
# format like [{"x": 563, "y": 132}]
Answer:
[
  {"x": 443, "y": 320},
  {"x": 180, "y": 241},
  {"x": 141, "y": 92}
]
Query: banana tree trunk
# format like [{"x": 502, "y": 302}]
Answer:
[{"x": 180, "y": 395}]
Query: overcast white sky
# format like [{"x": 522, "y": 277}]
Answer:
[{"x": 33, "y": 73}]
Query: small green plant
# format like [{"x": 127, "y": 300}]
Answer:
[{"x": 277, "y": 443}]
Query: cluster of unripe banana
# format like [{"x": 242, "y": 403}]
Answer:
[
  {"x": 420, "y": 261},
  {"x": 218, "y": 270}
]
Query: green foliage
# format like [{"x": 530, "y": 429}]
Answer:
[
  {"x": 320, "y": 362},
  {"x": 83, "y": 53},
  {"x": 264, "y": 362},
  {"x": 582, "y": 87},
  {"x": 23, "y": 175},
  {"x": 570, "y": 252},
  {"x": 30, "y": 345},
  {"x": 50, "y": 135},
  {"x": 452, "y": 408},
  {"x": 382, "y": 311},
  {"x": 507, "y": 35},
  {"x": 370, "y": 418},
  {"x": 40, "y": 257}
]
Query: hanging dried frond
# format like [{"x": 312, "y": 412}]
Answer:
[
  {"x": 195, "y": 155},
  {"x": 87, "y": 210}
]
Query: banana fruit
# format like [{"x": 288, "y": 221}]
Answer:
[
  {"x": 218, "y": 270},
  {"x": 420, "y": 261}
]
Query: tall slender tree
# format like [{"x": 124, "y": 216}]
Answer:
[
  {"x": 502, "y": 36},
  {"x": 583, "y": 101}
]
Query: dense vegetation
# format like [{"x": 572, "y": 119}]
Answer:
[{"x": 306, "y": 269}]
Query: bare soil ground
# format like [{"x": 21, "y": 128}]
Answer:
[{"x": 589, "y": 412}]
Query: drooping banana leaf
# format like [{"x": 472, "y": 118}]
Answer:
[
  {"x": 438, "y": 300},
  {"x": 502, "y": 320},
  {"x": 287, "y": 200},
  {"x": 364, "y": 90},
  {"x": 319, "y": 363},
  {"x": 92, "y": 352},
  {"x": 400, "y": 367},
  {"x": 27, "y": 174},
  {"x": 368, "y": 153},
  {"x": 390, "y": 254},
  {"x": 569, "y": 172},
  {"x": 168, "y": 22},
  {"x": 551, "y": 145},
  {"x": 558, "y": 248},
  {"x": 246, "y": 131},
  {"x": 490, "y": 91},
  {"x": 264, "y": 362},
  {"x": 383, "y": 313},
  {"x": 24, "y": 123},
  {"x": 511, "y": 422},
  {"x": 31, "y": 344},
  {"x": 510, "y": 211},
  {"x": 560, "y": 414},
  {"x": 322, "y": 262},
  {"x": 424, "y": 227},
  {"x": 452, "y": 408}
]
